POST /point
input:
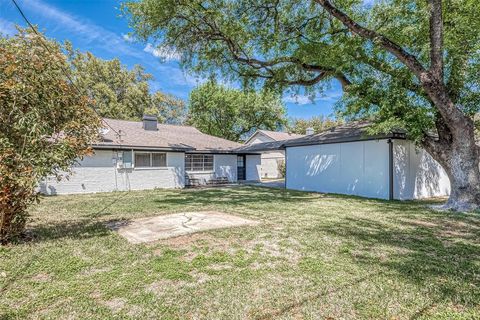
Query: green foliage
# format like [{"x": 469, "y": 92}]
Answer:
[
  {"x": 319, "y": 124},
  {"x": 120, "y": 93},
  {"x": 295, "y": 44},
  {"x": 46, "y": 124},
  {"x": 231, "y": 114}
]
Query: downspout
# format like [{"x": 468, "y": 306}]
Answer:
[
  {"x": 285, "y": 178},
  {"x": 390, "y": 169}
]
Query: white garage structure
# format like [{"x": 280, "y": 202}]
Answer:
[
  {"x": 146, "y": 155},
  {"x": 346, "y": 160}
]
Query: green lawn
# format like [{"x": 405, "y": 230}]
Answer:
[{"x": 312, "y": 256}]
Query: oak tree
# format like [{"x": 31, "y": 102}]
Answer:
[{"x": 404, "y": 63}]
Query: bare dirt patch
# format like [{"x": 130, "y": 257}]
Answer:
[{"x": 115, "y": 304}]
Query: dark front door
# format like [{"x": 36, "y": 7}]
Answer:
[{"x": 241, "y": 172}]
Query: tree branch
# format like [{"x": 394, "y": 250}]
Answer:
[
  {"x": 436, "y": 39},
  {"x": 408, "y": 59}
]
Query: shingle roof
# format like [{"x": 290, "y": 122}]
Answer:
[
  {"x": 167, "y": 137},
  {"x": 278, "y": 136},
  {"x": 263, "y": 146},
  {"x": 352, "y": 131},
  {"x": 275, "y": 135}
]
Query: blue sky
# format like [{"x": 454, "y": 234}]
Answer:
[{"x": 95, "y": 26}]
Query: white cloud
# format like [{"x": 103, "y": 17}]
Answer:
[
  {"x": 7, "y": 27},
  {"x": 298, "y": 99},
  {"x": 163, "y": 52},
  {"x": 127, "y": 37},
  {"x": 86, "y": 30}
]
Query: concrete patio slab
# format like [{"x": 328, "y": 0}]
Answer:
[{"x": 174, "y": 225}]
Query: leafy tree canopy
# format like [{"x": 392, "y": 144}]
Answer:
[
  {"x": 46, "y": 124},
  {"x": 297, "y": 43},
  {"x": 232, "y": 114},
  {"x": 403, "y": 63},
  {"x": 318, "y": 124},
  {"x": 121, "y": 93}
]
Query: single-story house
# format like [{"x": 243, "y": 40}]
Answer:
[
  {"x": 348, "y": 160},
  {"x": 133, "y": 155},
  {"x": 271, "y": 159}
]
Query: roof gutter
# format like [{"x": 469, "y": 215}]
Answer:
[
  {"x": 394, "y": 135},
  {"x": 135, "y": 147}
]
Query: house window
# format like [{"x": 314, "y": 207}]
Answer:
[
  {"x": 150, "y": 159},
  {"x": 159, "y": 159},
  {"x": 199, "y": 162}
]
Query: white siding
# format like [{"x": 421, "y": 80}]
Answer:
[
  {"x": 259, "y": 138},
  {"x": 270, "y": 161},
  {"x": 252, "y": 167},
  {"x": 225, "y": 165},
  {"x": 357, "y": 168},
  {"x": 98, "y": 174},
  {"x": 416, "y": 174}
]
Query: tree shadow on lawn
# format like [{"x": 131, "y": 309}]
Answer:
[
  {"x": 74, "y": 229},
  {"x": 236, "y": 196},
  {"x": 440, "y": 253}
]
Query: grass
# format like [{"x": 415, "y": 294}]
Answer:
[{"x": 313, "y": 256}]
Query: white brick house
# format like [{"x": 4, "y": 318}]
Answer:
[{"x": 146, "y": 155}]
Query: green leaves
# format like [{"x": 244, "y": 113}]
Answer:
[
  {"x": 46, "y": 123},
  {"x": 121, "y": 93},
  {"x": 231, "y": 114},
  {"x": 281, "y": 44}
]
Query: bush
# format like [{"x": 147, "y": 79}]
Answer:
[{"x": 46, "y": 124}]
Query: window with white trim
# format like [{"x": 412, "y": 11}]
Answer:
[
  {"x": 150, "y": 160},
  {"x": 199, "y": 162}
]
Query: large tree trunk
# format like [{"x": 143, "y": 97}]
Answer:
[{"x": 458, "y": 154}]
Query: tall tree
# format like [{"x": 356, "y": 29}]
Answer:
[
  {"x": 318, "y": 124},
  {"x": 121, "y": 93},
  {"x": 231, "y": 113},
  {"x": 408, "y": 63},
  {"x": 46, "y": 124}
]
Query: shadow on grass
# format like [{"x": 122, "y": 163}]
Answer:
[
  {"x": 299, "y": 304},
  {"x": 440, "y": 254},
  {"x": 235, "y": 196},
  {"x": 82, "y": 229}
]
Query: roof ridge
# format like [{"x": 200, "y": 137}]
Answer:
[{"x": 162, "y": 124}]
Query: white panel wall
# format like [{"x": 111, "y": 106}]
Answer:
[
  {"x": 253, "y": 167},
  {"x": 357, "y": 168},
  {"x": 416, "y": 174},
  {"x": 98, "y": 174},
  {"x": 226, "y": 166},
  {"x": 270, "y": 160}
]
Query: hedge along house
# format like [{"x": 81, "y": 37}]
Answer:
[
  {"x": 272, "y": 158},
  {"x": 347, "y": 160},
  {"x": 147, "y": 155}
]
